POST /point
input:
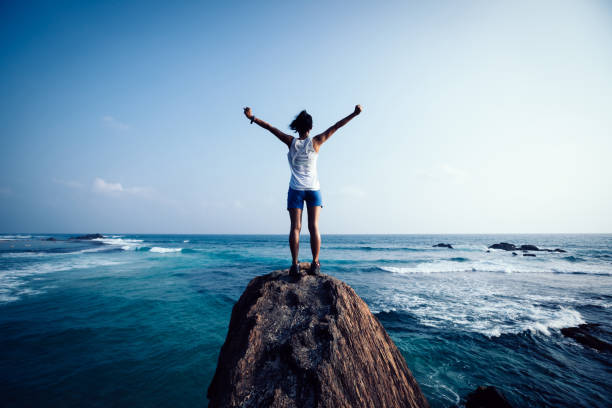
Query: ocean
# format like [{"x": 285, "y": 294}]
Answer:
[{"x": 138, "y": 320}]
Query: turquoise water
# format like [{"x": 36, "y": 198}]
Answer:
[{"x": 138, "y": 320}]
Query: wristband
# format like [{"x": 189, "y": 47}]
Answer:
[{"x": 252, "y": 119}]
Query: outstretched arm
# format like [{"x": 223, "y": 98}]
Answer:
[
  {"x": 322, "y": 138},
  {"x": 283, "y": 137}
]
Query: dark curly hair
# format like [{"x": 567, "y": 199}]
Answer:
[{"x": 302, "y": 123}]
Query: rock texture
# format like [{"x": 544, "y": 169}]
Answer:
[{"x": 309, "y": 342}]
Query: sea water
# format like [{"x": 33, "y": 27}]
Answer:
[{"x": 138, "y": 320}]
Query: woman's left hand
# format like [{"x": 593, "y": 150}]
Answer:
[{"x": 247, "y": 113}]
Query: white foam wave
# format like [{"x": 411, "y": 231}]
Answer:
[
  {"x": 28, "y": 254},
  {"x": 162, "y": 250},
  {"x": 504, "y": 265},
  {"x": 12, "y": 281},
  {"x": 125, "y": 244},
  {"x": 475, "y": 304},
  {"x": 14, "y": 237},
  {"x": 564, "y": 317},
  {"x": 185, "y": 241}
]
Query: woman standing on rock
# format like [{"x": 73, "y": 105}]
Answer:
[{"x": 304, "y": 183}]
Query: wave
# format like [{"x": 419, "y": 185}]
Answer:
[
  {"x": 125, "y": 244},
  {"x": 372, "y": 248},
  {"x": 461, "y": 266},
  {"x": 574, "y": 259},
  {"x": 13, "y": 281},
  {"x": 162, "y": 250},
  {"x": 55, "y": 252},
  {"x": 489, "y": 318},
  {"x": 14, "y": 237},
  {"x": 135, "y": 245}
]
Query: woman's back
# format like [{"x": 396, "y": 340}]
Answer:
[{"x": 303, "y": 164}]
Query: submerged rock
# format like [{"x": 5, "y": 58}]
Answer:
[
  {"x": 49, "y": 239},
  {"x": 309, "y": 341},
  {"x": 486, "y": 397},
  {"x": 529, "y": 255},
  {"x": 560, "y": 250},
  {"x": 442, "y": 245},
  {"x": 505, "y": 246},
  {"x": 582, "y": 334},
  {"x": 88, "y": 236}
]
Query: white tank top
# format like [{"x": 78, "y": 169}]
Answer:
[{"x": 303, "y": 163}]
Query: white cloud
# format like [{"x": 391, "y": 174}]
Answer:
[
  {"x": 104, "y": 187},
  {"x": 68, "y": 183},
  {"x": 115, "y": 123}
]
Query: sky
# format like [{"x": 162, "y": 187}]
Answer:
[{"x": 478, "y": 116}]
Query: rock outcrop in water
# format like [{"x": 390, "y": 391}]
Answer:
[
  {"x": 88, "y": 236},
  {"x": 585, "y": 335},
  {"x": 504, "y": 245},
  {"x": 526, "y": 247},
  {"x": 486, "y": 397},
  {"x": 309, "y": 342},
  {"x": 443, "y": 245}
]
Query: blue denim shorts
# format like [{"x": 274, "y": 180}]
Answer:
[{"x": 296, "y": 198}]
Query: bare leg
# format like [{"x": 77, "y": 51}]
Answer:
[
  {"x": 294, "y": 233},
  {"x": 313, "y": 228}
]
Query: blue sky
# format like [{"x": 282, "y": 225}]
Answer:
[{"x": 478, "y": 116}]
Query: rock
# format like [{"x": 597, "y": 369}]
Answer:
[
  {"x": 504, "y": 245},
  {"x": 514, "y": 254},
  {"x": 488, "y": 251},
  {"x": 560, "y": 250},
  {"x": 529, "y": 248},
  {"x": 486, "y": 397},
  {"x": 308, "y": 342},
  {"x": 441, "y": 245},
  {"x": 88, "y": 236},
  {"x": 583, "y": 336},
  {"x": 528, "y": 254}
]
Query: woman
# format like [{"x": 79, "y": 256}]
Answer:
[{"x": 304, "y": 183}]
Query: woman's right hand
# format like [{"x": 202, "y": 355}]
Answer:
[
  {"x": 247, "y": 113},
  {"x": 358, "y": 109}
]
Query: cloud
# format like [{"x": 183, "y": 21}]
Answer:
[
  {"x": 68, "y": 183},
  {"x": 115, "y": 123},
  {"x": 104, "y": 187}
]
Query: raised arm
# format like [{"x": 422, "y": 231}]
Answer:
[
  {"x": 283, "y": 137},
  {"x": 318, "y": 140}
]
